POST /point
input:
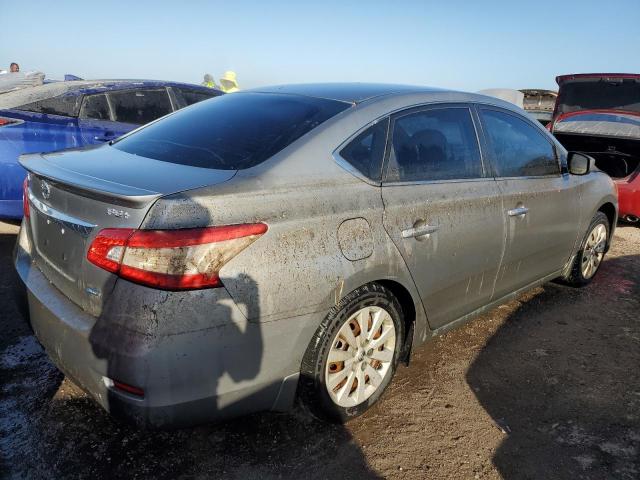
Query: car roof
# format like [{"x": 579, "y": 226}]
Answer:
[
  {"x": 357, "y": 93},
  {"x": 93, "y": 86},
  {"x": 79, "y": 87},
  {"x": 345, "y": 92}
]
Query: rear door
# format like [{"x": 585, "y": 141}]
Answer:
[
  {"x": 442, "y": 210},
  {"x": 106, "y": 116},
  {"x": 96, "y": 120},
  {"x": 540, "y": 202}
]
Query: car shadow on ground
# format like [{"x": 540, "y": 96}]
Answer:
[
  {"x": 49, "y": 428},
  {"x": 550, "y": 379}
]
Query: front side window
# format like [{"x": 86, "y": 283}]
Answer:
[
  {"x": 140, "y": 106},
  {"x": 232, "y": 132},
  {"x": 366, "y": 151},
  {"x": 95, "y": 107},
  {"x": 437, "y": 144},
  {"x": 519, "y": 149}
]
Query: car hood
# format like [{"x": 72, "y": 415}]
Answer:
[
  {"x": 110, "y": 171},
  {"x": 605, "y": 123}
]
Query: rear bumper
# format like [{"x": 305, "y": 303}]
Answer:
[{"x": 205, "y": 374}]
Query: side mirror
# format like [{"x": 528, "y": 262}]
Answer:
[{"x": 579, "y": 163}]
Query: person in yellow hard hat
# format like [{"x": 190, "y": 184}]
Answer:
[
  {"x": 209, "y": 81},
  {"x": 228, "y": 82}
]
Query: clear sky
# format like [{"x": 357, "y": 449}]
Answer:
[{"x": 466, "y": 45}]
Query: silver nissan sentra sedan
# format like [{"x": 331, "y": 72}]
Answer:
[{"x": 295, "y": 242}]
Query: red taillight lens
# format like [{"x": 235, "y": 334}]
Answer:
[
  {"x": 8, "y": 121},
  {"x": 107, "y": 248},
  {"x": 25, "y": 197},
  {"x": 172, "y": 259}
]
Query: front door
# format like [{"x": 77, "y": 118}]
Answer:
[
  {"x": 442, "y": 210},
  {"x": 540, "y": 203}
]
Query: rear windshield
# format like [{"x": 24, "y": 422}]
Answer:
[
  {"x": 622, "y": 94},
  {"x": 231, "y": 132}
]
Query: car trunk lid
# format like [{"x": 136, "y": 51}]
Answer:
[
  {"x": 601, "y": 123},
  {"x": 73, "y": 195}
]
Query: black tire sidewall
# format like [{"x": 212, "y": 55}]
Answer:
[{"x": 314, "y": 391}]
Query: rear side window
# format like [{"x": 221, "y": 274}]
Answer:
[
  {"x": 438, "y": 144},
  {"x": 140, "y": 106},
  {"x": 65, "y": 105},
  {"x": 233, "y": 132},
  {"x": 186, "y": 96},
  {"x": 366, "y": 151},
  {"x": 519, "y": 149},
  {"x": 95, "y": 107}
]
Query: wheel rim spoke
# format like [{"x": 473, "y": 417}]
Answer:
[
  {"x": 346, "y": 388},
  {"x": 348, "y": 336},
  {"x": 378, "y": 318},
  {"x": 336, "y": 378},
  {"x": 374, "y": 377},
  {"x": 382, "y": 338},
  {"x": 360, "y": 389},
  {"x": 382, "y": 355},
  {"x": 363, "y": 321},
  {"x": 337, "y": 355}
]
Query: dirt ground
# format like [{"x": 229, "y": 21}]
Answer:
[{"x": 545, "y": 387}]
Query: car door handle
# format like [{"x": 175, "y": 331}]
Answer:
[
  {"x": 107, "y": 137},
  {"x": 419, "y": 231},
  {"x": 516, "y": 212}
]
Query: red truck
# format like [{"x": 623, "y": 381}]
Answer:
[{"x": 599, "y": 114}]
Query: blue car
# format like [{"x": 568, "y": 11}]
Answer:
[{"x": 76, "y": 114}]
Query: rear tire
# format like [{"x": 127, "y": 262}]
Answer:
[
  {"x": 353, "y": 355},
  {"x": 591, "y": 254}
]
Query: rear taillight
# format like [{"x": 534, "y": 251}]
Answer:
[
  {"x": 25, "y": 197},
  {"x": 5, "y": 122},
  {"x": 172, "y": 259}
]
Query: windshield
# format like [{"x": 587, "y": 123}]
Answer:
[
  {"x": 231, "y": 132},
  {"x": 620, "y": 94}
]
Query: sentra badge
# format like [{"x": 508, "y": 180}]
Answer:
[{"x": 117, "y": 213}]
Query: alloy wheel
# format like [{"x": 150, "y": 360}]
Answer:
[
  {"x": 593, "y": 250},
  {"x": 360, "y": 356}
]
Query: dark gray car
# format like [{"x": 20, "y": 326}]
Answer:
[{"x": 295, "y": 241}]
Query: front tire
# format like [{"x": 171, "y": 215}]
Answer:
[
  {"x": 591, "y": 253},
  {"x": 353, "y": 355}
]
